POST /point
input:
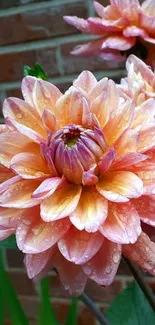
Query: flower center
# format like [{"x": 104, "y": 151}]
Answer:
[{"x": 71, "y": 137}]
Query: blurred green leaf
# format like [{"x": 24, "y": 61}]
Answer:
[
  {"x": 2, "y": 307},
  {"x": 131, "y": 308},
  {"x": 8, "y": 293},
  {"x": 72, "y": 313},
  {"x": 37, "y": 71},
  {"x": 46, "y": 314},
  {"x": 9, "y": 242}
]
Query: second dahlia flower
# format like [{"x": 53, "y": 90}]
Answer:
[
  {"x": 124, "y": 27},
  {"x": 77, "y": 179}
]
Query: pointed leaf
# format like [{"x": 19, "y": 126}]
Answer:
[
  {"x": 72, "y": 313},
  {"x": 46, "y": 315}
]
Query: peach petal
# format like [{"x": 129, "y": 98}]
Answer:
[
  {"x": 72, "y": 168},
  {"x": 146, "y": 139},
  {"x": 120, "y": 120},
  {"x": 127, "y": 142},
  {"x": 102, "y": 26},
  {"x": 138, "y": 65},
  {"x": 90, "y": 49},
  {"x": 46, "y": 188},
  {"x": 106, "y": 160},
  {"x": 127, "y": 160},
  {"x": 9, "y": 217},
  {"x": 65, "y": 104},
  {"x": 12, "y": 143},
  {"x": 29, "y": 165},
  {"x": 34, "y": 236},
  {"x": 8, "y": 182},
  {"x": 3, "y": 128},
  {"x": 90, "y": 204},
  {"x": 134, "y": 31},
  {"x": 79, "y": 111},
  {"x": 122, "y": 224},
  {"x": 97, "y": 90},
  {"x": 120, "y": 43},
  {"x": 89, "y": 178},
  {"x": 103, "y": 266},
  {"x": 79, "y": 246},
  {"x": 40, "y": 94},
  {"x": 148, "y": 178},
  {"x": 85, "y": 81},
  {"x": 79, "y": 23},
  {"x": 49, "y": 121},
  {"x": 23, "y": 114},
  {"x": 144, "y": 115},
  {"x": 5, "y": 174},
  {"x": 71, "y": 276},
  {"x": 142, "y": 252},
  {"x": 100, "y": 108},
  {"x": 36, "y": 263},
  {"x": 120, "y": 186},
  {"x": 145, "y": 206},
  {"x": 61, "y": 203},
  {"x": 18, "y": 195}
]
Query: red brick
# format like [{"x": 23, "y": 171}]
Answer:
[
  {"x": 40, "y": 24},
  {"x": 12, "y": 64},
  {"x": 85, "y": 317},
  {"x": 14, "y": 93},
  {"x": 123, "y": 269},
  {"x": 23, "y": 285},
  {"x": 14, "y": 258},
  {"x": 64, "y": 86},
  {"x": 74, "y": 64},
  {"x": 103, "y": 294}
]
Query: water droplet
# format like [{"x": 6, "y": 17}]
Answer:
[
  {"x": 19, "y": 115},
  {"x": 116, "y": 257}
]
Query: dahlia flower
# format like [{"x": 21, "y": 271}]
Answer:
[
  {"x": 140, "y": 82},
  {"x": 124, "y": 27},
  {"x": 77, "y": 179}
]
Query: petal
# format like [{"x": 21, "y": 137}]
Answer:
[
  {"x": 89, "y": 49},
  {"x": 120, "y": 186},
  {"x": 22, "y": 115},
  {"x": 127, "y": 160},
  {"x": 12, "y": 143},
  {"x": 65, "y": 104},
  {"x": 79, "y": 23},
  {"x": 40, "y": 94},
  {"x": 36, "y": 263},
  {"x": 79, "y": 111},
  {"x": 9, "y": 217},
  {"x": 103, "y": 266},
  {"x": 120, "y": 120},
  {"x": 49, "y": 121},
  {"x": 148, "y": 179},
  {"x": 46, "y": 188},
  {"x": 71, "y": 276},
  {"x": 142, "y": 252},
  {"x": 121, "y": 43},
  {"x": 145, "y": 206},
  {"x": 144, "y": 114},
  {"x": 98, "y": 89},
  {"x": 100, "y": 108},
  {"x": 79, "y": 246},
  {"x": 122, "y": 224},
  {"x": 127, "y": 142},
  {"x": 146, "y": 139},
  {"x": 5, "y": 233},
  {"x": 85, "y": 81},
  {"x": 91, "y": 210},
  {"x": 137, "y": 66},
  {"x": 134, "y": 31},
  {"x": 106, "y": 160},
  {"x": 61, "y": 203},
  {"x": 5, "y": 174},
  {"x": 34, "y": 236},
  {"x": 28, "y": 165},
  {"x": 6, "y": 184},
  {"x": 18, "y": 195}
]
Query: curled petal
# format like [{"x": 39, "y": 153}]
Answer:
[
  {"x": 46, "y": 188},
  {"x": 142, "y": 252},
  {"x": 79, "y": 246},
  {"x": 100, "y": 108},
  {"x": 85, "y": 81},
  {"x": 71, "y": 276},
  {"x": 106, "y": 160},
  {"x": 29, "y": 165},
  {"x": 91, "y": 204},
  {"x": 79, "y": 111},
  {"x": 34, "y": 236},
  {"x": 145, "y": 206},
  {"x": 40, "y": 94},
  {"x": 89, "y": 177},
  {"x": 79, "y": 23},
  {"x": 72, "y": 168},
  {"x": 36, "y": 263},
  {"x": 135, "y": 65},
  {"x": 5, "y": 233},
  {"x": 120, "y": 186},
  {"x": 122, "y": 224},
  {"x": 19, "y": 194},
  {"x": 103, "y": 266},
  {"x": 120, "y": 43},
  {"x": 49, "y": 121},
  {"x": 61, "y": 203}
]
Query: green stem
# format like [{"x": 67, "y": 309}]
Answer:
[{"x": 141, "y": 281}]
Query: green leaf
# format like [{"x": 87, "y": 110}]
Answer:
[
  {"x": 8, "y": 292},
  {"x": 46, "y": 314},
  {"x": 37, "y": 71},
  {"x": 9, "y": 242},
  {"x": 72, "y": 313},
  {"x": 2, "y": 308},
  {"x": 131, "y": 308}
]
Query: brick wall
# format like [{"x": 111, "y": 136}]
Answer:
[{"x": 34, "y": 31}]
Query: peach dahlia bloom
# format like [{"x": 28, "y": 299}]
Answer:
[
  {"x": 77, "y": 179},
  {"x": 124, "y": 27}
]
